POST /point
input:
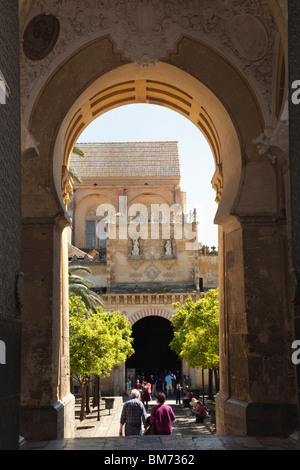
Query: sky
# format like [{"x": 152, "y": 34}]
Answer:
[{"x": 150, "y": 123}]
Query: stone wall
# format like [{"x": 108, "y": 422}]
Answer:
[
  {"x": 294, "y": 113},
  {"x": 10, "y": 226}
]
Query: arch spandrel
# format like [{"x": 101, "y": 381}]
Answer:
[{"x": 141, "y": 33}]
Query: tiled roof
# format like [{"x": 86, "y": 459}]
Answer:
[{"x": 127, "y": 159}]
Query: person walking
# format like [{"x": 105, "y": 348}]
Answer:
[
  {"x": 178, "y": 392},
  {"x": 139, "y": 387},
  {"x": 169, "y": 387},
  {"x": 145, "y": 397},
  {"x": 133, "y": 415},
  {"x": 162, "y": 416},
  {"x": 153, "y": 382},
  {"x": 128, "y": 386}
]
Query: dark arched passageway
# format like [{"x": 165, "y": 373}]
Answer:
[{"x": 152, "y": 336}]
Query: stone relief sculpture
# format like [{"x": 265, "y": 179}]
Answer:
[
  {"x": 136, "y": 248},
  {"x": 152, "y": 272},
  {"x": 168, "y": 248},
  {"x": 145, "y": 30},
  {"x": 40, "y": 36}
]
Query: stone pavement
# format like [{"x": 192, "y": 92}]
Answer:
[{"x": 103, "y": 435}]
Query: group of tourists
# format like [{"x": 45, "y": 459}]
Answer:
[
  {"x": 146, "y": 389},
  {"x": 167, "y": 383},
  {"x": 134, "y": 412}
]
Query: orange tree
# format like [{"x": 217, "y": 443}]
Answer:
[
  {"x": 196, "y": 331},
  {"x": 98, "y": 342}
]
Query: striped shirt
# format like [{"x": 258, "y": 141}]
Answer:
[{"x": 132, "y": 413}]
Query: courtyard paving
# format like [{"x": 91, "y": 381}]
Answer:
[{"x": 187, "y": 435}]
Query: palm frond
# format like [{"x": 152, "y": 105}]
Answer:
[
  {"x": 80, "y": 287},
  {"x": 80, "y": 280},
  {"x": 73, "y": 269},
  {"x": 78, "y": 151},
  {"x": 74, "y": 175}
]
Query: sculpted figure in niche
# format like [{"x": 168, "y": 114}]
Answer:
[
  {"x": 168, "y": 248},
  {"x": 136, "y": 248}
]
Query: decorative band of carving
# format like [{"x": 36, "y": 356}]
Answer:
[{"x": 148, "y": 312}]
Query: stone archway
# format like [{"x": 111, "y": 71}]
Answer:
[
  {"x": 155, "y": 311},
  {"x": 251, "y": 188},
  {"x": 152, "y": 335}
]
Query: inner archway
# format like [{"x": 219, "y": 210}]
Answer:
[
  {"x": 169, "y": 87},
  {"x": 152, "y": 336}
]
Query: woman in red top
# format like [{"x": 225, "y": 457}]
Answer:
[{"x": 162, "y": 416}]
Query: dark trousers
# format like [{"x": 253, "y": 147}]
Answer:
[{"x": 131, "y": 430}]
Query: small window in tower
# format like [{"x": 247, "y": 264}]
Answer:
[{"x": 90, "y": 234}]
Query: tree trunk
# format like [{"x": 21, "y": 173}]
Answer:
[
  {"x": 87, "y": 398},
  {"x": 210, "y": 385},
  {"x": 97, "y": 393},
  {"x": 83, "y": 395}
]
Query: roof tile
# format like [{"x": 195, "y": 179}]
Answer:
[{"x": 126, "y": 159}]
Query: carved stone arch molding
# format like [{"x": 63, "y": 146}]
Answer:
[
  {"x": 148, "y": 312},
  {"x": 166, "y": 85}
]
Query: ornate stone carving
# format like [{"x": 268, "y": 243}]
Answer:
[
  {"x": 249, "y": 36},
  {"x": 67, "y": 185},
  {"x": 169, "y": 276},
  {"x": 168, "y": 248},
  {"x": 169, "y": 265},
  {"x": 136, "y": 248},
  {"x": 40, "y": 36},
  {"x": 152, "y": 272},
  {"x": 217, "y": 182},
  {"x": 144, "y": 31},
  {"x": 273, "y": 142},
  {"x": 136, "y": 276},
  {"x": 136, "y": 265}
]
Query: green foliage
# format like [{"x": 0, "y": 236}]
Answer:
[
  {"x": 81, "y": 287},
  {"x": 78, "y": 151},
  {"x": 97, "y": 342},
  {"x": 196, "y": 331},
  {"x": 74, "y": 176}
]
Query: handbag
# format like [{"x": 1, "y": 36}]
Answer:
[{"x": 149, "y": 431}]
